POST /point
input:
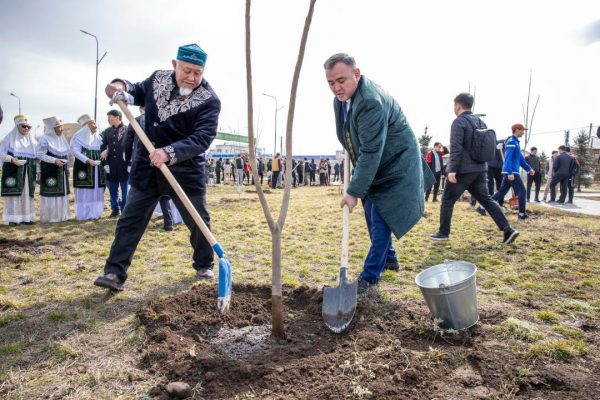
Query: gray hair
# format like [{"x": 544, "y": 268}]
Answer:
[{"x": 340, "y": 57}]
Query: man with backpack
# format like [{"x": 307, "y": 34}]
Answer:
[
  {"x": 513, "y": 160},
  {"x": 470, "y": 143}
]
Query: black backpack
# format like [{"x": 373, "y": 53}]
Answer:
[{"x": 483, "y": 143}]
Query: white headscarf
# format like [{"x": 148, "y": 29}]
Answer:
[
  {"x": 85, "y": 138},
  {"x": 20, "y": 145},
  {"x": 57, "y": 145}
]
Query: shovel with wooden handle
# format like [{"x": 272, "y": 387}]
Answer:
[
  {"x": 224, "y": 265},
  {"x": 339, "y": 303}
]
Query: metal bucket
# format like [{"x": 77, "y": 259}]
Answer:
[{"x": 450, "y": 290}]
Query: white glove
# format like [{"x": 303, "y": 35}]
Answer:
[
  {"x": 128, "y": 170},
  {"x": 107, "y": 169},
  {"x": 124, "y": 96}
]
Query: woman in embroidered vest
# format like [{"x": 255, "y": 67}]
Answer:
[
  {"x": 53, "y": 152},
  {"x": 88, "y": 176},
  {"x": 19, "y": 169}
]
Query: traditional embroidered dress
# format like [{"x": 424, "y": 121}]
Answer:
[
  {"x": 54, "y": 186},
  {"x": 18, "y": 181},
  {"x": 88, "y": 180}
]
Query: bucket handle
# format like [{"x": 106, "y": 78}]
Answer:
[{"x": 444, "y": 288}]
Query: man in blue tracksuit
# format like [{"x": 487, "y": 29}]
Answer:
[{"x": 514, "y": 159}]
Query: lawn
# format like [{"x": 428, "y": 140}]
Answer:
[{"x": 61, "y": 337}]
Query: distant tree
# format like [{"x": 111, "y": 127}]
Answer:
[
  {"x": 543, "y": 161},
  {"x": 581, "y": 148},
  {"x": 424, "y": 140},
  {"x": 528, "y": 119}
]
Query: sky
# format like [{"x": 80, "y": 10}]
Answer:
[{"x": 423, "y": 53}]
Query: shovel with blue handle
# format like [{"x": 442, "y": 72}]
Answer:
[{"x": 224, "y": 265}]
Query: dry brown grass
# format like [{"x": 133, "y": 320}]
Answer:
[{"x": 61, "y": 337}]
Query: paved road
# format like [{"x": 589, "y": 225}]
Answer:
[{"x": 586, "y": 202}]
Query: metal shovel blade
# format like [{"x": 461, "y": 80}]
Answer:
[{"x": 339, "y": 304}]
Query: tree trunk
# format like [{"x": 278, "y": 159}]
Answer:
[
  {"x": 276, "y": 228},
  {"x": 277, "y": 327}
]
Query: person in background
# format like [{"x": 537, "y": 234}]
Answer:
[
  {"x": 533, "y": 160},
  {"x": 53, "y": 151},
  {"x": 276, "y": 167},
  {"x": 465, "y": 173},
  {"x": 88, "y": 175},
  {"x": 20, "y": 169},
  {"x": 562, "y": 167},
  {"x": 574, "y": 171},
  {"x": 513, "y": 161},
  {"x": 434, "y": 159},
  {"x": 549, "y": 173},
  {"x": 117, "y": 143}
]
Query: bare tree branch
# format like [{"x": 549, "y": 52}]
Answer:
[{"x": 290, "y": 119}]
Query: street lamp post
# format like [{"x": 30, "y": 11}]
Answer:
[
  {"x": 276, "y": 110},
  {"x": 18, "y": 98},
  {"x": 98, "y": 61}
]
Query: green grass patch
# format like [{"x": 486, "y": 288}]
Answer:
[
  {"x": 12, "y": 353},
  {"x": 548, "y": 317},
  {"x": 571, "y": 333},
  {"x": 560, "y": 349},
  {"x": 59, "y": 351},
  {"x": 9, "y": 317},
  {"x": 514, "y": 328}
]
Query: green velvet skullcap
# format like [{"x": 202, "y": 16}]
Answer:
[{"x": 192, "y": 53}]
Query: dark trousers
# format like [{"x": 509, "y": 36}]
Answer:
[
  {"x": 537, "y": 179},
  {"x": 563, "y": 181},
  {"x": 571, "y": 188},
  {"x": 494, "y": 181},
  {"x": 436, "y": 187},
  {"x": 113, "y": 189},
  {"x": 218, "y": 176},
  {"x": 274, "y": 179},
  {"x": 165, "y": 207},
  {"x": 381, "y": 250},
  {"x": 476, "y": 184},
  {"x": 135, "y": 218},
  {"x": 518, "y": 187},
  {"x": 261, "y": 175}
]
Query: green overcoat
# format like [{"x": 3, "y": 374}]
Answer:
[{"x": 388, "y": 166}]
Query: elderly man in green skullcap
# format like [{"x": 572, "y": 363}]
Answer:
[{"x": 182, "y": 113}]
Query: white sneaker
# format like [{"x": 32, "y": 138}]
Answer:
[{"x": 205, "y": 274}]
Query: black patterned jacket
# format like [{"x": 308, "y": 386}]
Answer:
[{"x": 184, "y": 126}]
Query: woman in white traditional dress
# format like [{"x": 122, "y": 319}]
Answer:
[
  {"x": 53, "y": 151},
  {"x": 17, "y": 151},
  {"x": 88, "y": 176}
]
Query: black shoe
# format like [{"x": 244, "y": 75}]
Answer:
[
  {"x": 438, "y": 236},
  {"x": 434, "y": 200},
  {"x": 523, "y": 216},
  {"x": 392, "y": 266},
  {"x": 480, "y": 210},
  {"x": 537, "y": 201},
  {"x": 114, "y": 214},
  {"x": 110, "y": 281},
  {"x": 28, "y": 223},
  {"x": 510, "y": 235},
  {"x": 364, "y": 286},
  {"x": 12, "y": 224},
  {"x": 168, "y": 228}
]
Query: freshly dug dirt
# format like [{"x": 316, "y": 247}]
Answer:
[{"x": 390, "y": 351}]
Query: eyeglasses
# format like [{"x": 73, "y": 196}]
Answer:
[{"x": 26, "y": 126}]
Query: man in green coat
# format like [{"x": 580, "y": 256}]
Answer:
[{"x": 388, "y": 168}]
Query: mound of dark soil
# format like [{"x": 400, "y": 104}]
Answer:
[{"x": 390, "y": 351}]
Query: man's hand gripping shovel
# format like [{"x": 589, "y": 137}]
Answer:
[
  {"x": 224, "y": 265},
  {"x": 339, "y": 303}
]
